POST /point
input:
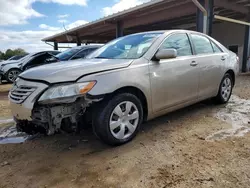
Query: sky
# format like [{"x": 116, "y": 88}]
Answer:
[{"x": 23, "y": 23}]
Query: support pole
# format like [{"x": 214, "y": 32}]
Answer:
[
  {"x": 232, "y": 20},
  {"x": 210, "y": 17},
  {"x": 55, "y": 46},
  {"x": 246, "y": 51},
  {"x": 119, "y": 29},
  {"x": 201, "y": 16},
  {"x": 78, "y": 41}
]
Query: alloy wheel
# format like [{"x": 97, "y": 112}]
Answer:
[{"x": 13, "y": 75}]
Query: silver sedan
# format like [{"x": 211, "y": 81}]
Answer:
[{"x": 127, "y": 81}]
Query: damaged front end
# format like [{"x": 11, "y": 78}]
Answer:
[
  {"x": 50, "y": 118},
  {"x": 60, "y": 107}
]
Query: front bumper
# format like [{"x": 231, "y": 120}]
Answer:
[
  {"x": 31, "y": 116},
  {"x": 21, "y": 112},
  {"x": 21, "y": 107},
  {"x": 49, "y": 119}
]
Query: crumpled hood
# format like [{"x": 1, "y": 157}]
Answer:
[{"x": 71, "y": 70}]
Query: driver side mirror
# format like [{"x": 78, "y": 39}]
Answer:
[{"x": 166, "y": 54}]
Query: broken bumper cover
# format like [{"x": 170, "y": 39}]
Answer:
[
  {"x": 23, "y": 96},
  {"x": 62, "y": 113},
  {"x": 20, "y": 112},
  {"x": 51, "y": 118}
]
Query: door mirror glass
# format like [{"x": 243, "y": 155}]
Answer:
[{"x": 166, "y": 54}]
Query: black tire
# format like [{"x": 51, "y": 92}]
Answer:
[
  {"x": 7, "y": 75},
  {"x": 219, "y": 99},
  {"x": 102, "y": 115}
]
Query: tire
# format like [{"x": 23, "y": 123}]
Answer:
[
  {"x": 124, "y": 126},
  {"x": 225, "y": 90},
  {"x": 12, "y": 74}
]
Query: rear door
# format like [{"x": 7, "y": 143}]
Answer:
[
  {"x": 174, "y": 81},
  {"x": 210, "y": 59}
]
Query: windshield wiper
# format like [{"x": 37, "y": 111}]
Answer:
[{"x": 100, "y": 57}]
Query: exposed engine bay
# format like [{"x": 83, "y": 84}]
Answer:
[{"x": 69, "y": 116}]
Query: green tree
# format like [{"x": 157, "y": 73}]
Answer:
[
  {"x": 9, "y": 53},
  {"x": 1, "y": 55},
  {"x": 20, "y": 51}
]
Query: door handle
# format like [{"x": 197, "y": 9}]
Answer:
[
  {"x": 223, "y": 58},
  {"x": 193, "y": 64}
]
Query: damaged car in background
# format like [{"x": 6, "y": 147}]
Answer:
[
  {"x": 11, "y": 69},
  {"x": 127, "y": 81},
  {"x": 77, "y": 52}
]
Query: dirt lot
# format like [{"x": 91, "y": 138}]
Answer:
[{"x": 171, "y": 151}]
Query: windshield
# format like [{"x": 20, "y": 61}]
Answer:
[
  {"x": 67, "y": 54},
  {"x": 128, "y": 47}
]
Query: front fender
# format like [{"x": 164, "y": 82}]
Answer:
[
  {"x": 6, "y": 68},
  {"x": 133, "y": 76}
]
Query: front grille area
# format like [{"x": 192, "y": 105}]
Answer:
[{"x": 20, "y": 93}]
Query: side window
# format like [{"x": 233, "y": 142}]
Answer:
[
  {"x": 180, "y": 42},
  {"x": 40, "y": 59},
  {"x": 50, "y": 59},
  {"x": 91, "y": 50},
  {"x": 202, "y": 44},
  {"x": 216, "y": 48},
  {"x": 81, "y": 54}
]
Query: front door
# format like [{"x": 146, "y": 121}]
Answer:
[{"x": 174, "y": 81}]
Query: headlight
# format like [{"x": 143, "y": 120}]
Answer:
[{"x": 64, "y": 91}]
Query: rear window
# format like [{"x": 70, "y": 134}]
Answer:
[
  {"x": 202, "y": 44},
  {"x": 216, "y": 48}
]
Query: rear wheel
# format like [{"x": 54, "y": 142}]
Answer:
[
  {"x": 225, "y": 90},
  {"x": 117, "y": 121},
  {"x": 12, "y": 74}
]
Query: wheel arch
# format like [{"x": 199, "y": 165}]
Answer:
[
  {"x": 138, "y": 93},
  {"x": 13, "y": 68},
  {"x": 232, "y": 74}
]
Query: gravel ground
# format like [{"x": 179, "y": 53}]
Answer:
[{"x": 170, "y": 151}]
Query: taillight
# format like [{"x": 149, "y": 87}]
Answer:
[{"x": 238, "y": 60}]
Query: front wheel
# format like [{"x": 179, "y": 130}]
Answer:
[
  {"x": 117, "y": 121},
  {"x": 12, "y": 74},
  {"x": 225, "y": 90}
]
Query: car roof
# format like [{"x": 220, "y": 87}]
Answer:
[
  {"x": 41, "y": 52},
  {"x": 168, "y": 31},
  {"x": 87, "y": 46}
]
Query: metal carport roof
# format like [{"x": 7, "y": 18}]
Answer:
[{"x": 154, "y": 15}]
